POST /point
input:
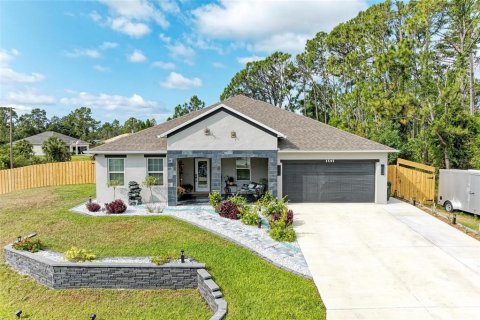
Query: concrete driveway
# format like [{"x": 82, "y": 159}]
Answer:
[{"x": 389, "y": 261}]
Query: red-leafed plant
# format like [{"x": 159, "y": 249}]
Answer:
[
  {"x": 287, "y": 217},
  {"x": 117, "y": 206},
  {"x": 93, "y": 206},
  {"x": 228, "y": 209}
]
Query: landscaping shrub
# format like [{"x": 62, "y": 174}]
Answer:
[
  {"x": 280, "y": 231},
  {"x": 275, "y": 207},
  {"x": 239, "y": 201},
  {"x": 249, "y": 215},
  {"x": 28, "y": 244},
  {"x": 164, "y": 258},
  {"x": 214, "y": 198},
  {"x": 93, "y": 207},
  {"x": 266, "y": 199},
  {"x": 77, "y": 254},
  {"x": 228, "y": 209},
  {"x": 154, "y": 208},
  {"x": 117, "y": 206},
  {"x": 281, "y": 226}
]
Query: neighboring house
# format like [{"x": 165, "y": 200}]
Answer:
[
  {"x": 248, "y": 140},
  {"x": 75, "y": 145}
]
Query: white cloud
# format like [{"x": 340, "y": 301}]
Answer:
[
  {"x": 264, "y": 24},
  {"x": 163, "y": 65},
  {"x": 8, "y": 75},
  {"x": 7, "y": 55},
  {"x": 29, "y": 96},
  {"x": 131, "y": 17},
  {"x": 178, "y": 81},
  {"x": 108, "y": 45},
  {"x": 169, "y": 6},
  {"x": 101, "y": 68},
  {"x": 218, "y": 65},
  {"x": 108, "y": 102},
  {"x": 134, "y": 29},
  {"x": 89, "y": 53},
  {"x": 137, "y": 56},
  {"x": 181, "y": 52},
  {"x": 245, "y": 60},
  {"x": 95, "y": 16},
  {"x": 164, "y": 38}
]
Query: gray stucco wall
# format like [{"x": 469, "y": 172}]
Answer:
[{"x": 216, "y": 171}]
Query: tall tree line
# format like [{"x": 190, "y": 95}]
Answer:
[
  {"x": 402, "y": 74},
  {"x": 79, "y": 123}
]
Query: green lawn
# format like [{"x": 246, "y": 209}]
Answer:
[
  {"x": 467, "y": 219},
  {"x": 253, "y": 288}
]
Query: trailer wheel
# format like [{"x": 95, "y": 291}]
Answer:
[{"x": 448, "y": 206}]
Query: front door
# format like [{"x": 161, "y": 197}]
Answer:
[{"x": 202, "y": 174}]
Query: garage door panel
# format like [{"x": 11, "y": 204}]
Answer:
[{"x": 318, "y": 181}]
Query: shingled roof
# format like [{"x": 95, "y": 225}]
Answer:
[
  {"x": 42, "y": 137},
  {"x": 302, "y": 133}
]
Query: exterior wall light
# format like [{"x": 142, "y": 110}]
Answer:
[
  {"x": 206, "y": 131},
  {"x": 233, "y": 134}
]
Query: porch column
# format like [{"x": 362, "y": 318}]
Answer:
[
  {"x": 216, "y": 172},
  {"x": 172, "y": 179},
  {"x": 272, "y": 172}
]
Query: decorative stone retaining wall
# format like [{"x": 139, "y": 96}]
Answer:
[{"x": 98, "y": 274}]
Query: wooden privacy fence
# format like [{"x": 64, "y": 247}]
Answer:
[
  {"x": 48, "y": 174},
  {"x": 412, "y": 180}
]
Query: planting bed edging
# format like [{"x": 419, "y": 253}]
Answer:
[{"x": 65, "y": 275}]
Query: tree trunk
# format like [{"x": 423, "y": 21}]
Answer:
[
  {"x": 472, "y": 85},
  {"x": 446, "y": 157}
]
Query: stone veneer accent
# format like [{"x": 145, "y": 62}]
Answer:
[
  {"x": 216, "y": 157},
  {"x": 67, "y": 275}
]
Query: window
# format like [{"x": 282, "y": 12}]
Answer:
[
  {"x": 243, "y": 168},
  {"x": 155, "y": 169},
  {"x": 116, "y": 170}
]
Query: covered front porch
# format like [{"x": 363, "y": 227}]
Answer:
[{"x": 192, "y": 175}]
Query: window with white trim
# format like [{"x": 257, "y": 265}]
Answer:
[
  {"x": 243, "y": 168},
  {"x": 155, "y": 169},
  {"x": 116, "y": 170}
]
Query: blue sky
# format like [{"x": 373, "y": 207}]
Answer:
[{"x": 141, "y": 58}]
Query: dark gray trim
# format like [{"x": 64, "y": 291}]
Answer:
[
  {"x": 115, "y": 156},
  {"x": 236, "y": 115},
  {"x": 162, "y": 155}
]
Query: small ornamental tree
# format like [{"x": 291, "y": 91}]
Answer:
[
  {"x": 114, "y": 183},
  {"x": 150, "y": 182},
  {"x": 56, "y": 150}
]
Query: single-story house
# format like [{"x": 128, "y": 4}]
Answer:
[
  {"x": 246, "y": 140},
  {"x": 76, "y": 146}
]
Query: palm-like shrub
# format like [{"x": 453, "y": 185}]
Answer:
[
  {"x": 56, "y": 150},
  {"x": 150, "y": 182}
]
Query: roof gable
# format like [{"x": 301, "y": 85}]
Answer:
[{"x": 219, "y": 108}]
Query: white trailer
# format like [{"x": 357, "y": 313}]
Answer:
[{"x": 459, "y": 190}]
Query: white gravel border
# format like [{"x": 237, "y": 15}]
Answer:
[{"x": 282, "y": 254}]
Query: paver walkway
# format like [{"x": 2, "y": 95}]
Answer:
[
  {"x": 389, "y": 261},
  {"x": 284, "y": 255}
]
